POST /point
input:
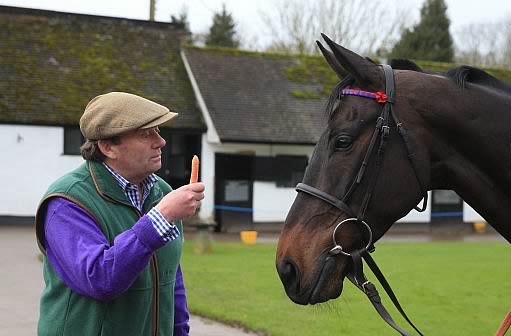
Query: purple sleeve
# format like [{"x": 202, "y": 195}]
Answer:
[
  {"x": 181, "y": 316},
  {"x": 80, "y": 254}
]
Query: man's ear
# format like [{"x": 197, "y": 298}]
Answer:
[{"x": 106, "y": 147}]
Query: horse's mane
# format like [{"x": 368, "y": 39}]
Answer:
[
  {"x": 404, "y": 64},
  {"x": 465, "y": 73},
  {"x": 460, "y": 75}
]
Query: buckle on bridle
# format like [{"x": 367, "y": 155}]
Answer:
[
  {"x": 386, "y": 131},
  {"x": 364, "y": 286}
]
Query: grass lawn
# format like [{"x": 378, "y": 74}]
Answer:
[{"x": 446, "y": 288}]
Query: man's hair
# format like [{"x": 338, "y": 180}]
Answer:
[{"x": 90, "y": 149}]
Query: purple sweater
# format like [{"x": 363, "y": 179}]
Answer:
[{"x": 80, "y": 254}]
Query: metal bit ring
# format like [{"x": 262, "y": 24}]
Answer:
[{"x": 338, "y": 248}]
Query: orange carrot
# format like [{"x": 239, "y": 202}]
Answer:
[{"x": 194, "y": 176}]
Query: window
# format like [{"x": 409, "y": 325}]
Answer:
[
  {"x": 263, "y": 169},
  {"x": 237, "y": 190},
  {"x": 177, "y": 166},
  {"x": 73, "y": 139},
  {"x": 285, "y": 170},
  {"x": 446, "y": 197},
  {"x": 290, "y": 170}
]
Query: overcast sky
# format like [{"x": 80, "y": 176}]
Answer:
[{"x": 247, "y": 12}]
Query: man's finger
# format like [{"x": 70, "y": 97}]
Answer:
[{"x": 197, "y": 187}]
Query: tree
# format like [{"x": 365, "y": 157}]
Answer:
[
  {"x": 430, "y": 39},
  {"x": 364, "y": 26},
  {"x": 486, "y": 44},
  {"x": 478, "y": 44},
  {"x": 181, "y": 21},
  {"x": 507, "y": 42},
  {"x": 222, "y": 33}
]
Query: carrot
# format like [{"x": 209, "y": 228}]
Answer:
[{"x": 194, "y": 176}]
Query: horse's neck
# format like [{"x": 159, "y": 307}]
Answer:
[{"x": 471, "y": 153}]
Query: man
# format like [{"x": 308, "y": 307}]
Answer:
[{"x": 111, "y": 230}]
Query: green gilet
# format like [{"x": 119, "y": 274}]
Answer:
[{"x": 147, "y": 307}]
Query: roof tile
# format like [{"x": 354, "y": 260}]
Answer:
[
  {"x": 250, "y": 98},
  {"x": 52, "y": 64}
]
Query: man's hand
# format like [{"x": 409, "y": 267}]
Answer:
[{"x": 182, "y": 202}]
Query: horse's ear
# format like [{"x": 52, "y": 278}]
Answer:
[
  {"x": 332, "y": 61},
  {"x": 364, "y": 71}
]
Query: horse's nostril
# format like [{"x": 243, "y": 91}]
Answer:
[{"x": 288, "y": 273}]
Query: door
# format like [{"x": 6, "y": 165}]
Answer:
[
  {"x": 233, "y": 192},
  {"x": 176, "y": 156},
  {"x": 447, "y": 213},
  {"x": 446, "y": 204}
]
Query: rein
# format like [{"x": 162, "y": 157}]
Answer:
[
  {"x": 504, "y": 326},
  {"x": 380, "y": 136}
]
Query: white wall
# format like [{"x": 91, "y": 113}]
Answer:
[
  {"x": 270, "y": 204},
  {"x": 470, "y": 215},
  {"x": 207, "y": 176},
  {"x": 31, "y": 160}
]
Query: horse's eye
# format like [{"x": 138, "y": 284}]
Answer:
[{"x": 343, "y": 142}]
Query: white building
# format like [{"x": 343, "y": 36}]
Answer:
[
  {"x": 257, "y": 119},
  {"x": 51, "y": 65},
  {"x": 253, "y": 118}
]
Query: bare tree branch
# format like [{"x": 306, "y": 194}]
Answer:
[
  {"x": 484, "y": 44},
  {"x": 363, "y": 26}
]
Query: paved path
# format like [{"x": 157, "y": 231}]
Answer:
[
  {"x": 21, "y": 283},
  {"x": 204, "y": 327}
]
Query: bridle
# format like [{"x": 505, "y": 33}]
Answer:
[{"x": 380, "y": 138}]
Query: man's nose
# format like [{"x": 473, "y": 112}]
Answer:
[{"x": 160, "y": 141}]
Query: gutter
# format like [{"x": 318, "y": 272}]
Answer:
[{"x": 211, "y": 134}]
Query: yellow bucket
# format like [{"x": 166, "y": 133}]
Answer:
[
  {"x": 248, "y": 237},
  {"x": 479, "y": 227}
]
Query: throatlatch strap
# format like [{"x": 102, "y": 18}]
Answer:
[{"x": 389, "y": 90}]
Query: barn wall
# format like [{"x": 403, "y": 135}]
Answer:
[
  {"x": 270, "y": 203},
  {"x": 32, "y": 158}
]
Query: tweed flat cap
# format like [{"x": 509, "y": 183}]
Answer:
[{"x": 114, "y": 113}]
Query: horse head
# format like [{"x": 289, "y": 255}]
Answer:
[{"x": 350, "y": 175}]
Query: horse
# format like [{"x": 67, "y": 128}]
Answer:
[{"x": 392, "y": 134}]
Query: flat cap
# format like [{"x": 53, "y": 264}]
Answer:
[{"x": 114, "y": 113}]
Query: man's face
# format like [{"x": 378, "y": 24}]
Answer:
[{"x": 138, "y": 154}]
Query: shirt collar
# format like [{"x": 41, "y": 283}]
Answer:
[{"x": 125, "y": 185}]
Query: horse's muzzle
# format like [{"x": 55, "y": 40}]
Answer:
[{"x": 326, "y": 283}]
